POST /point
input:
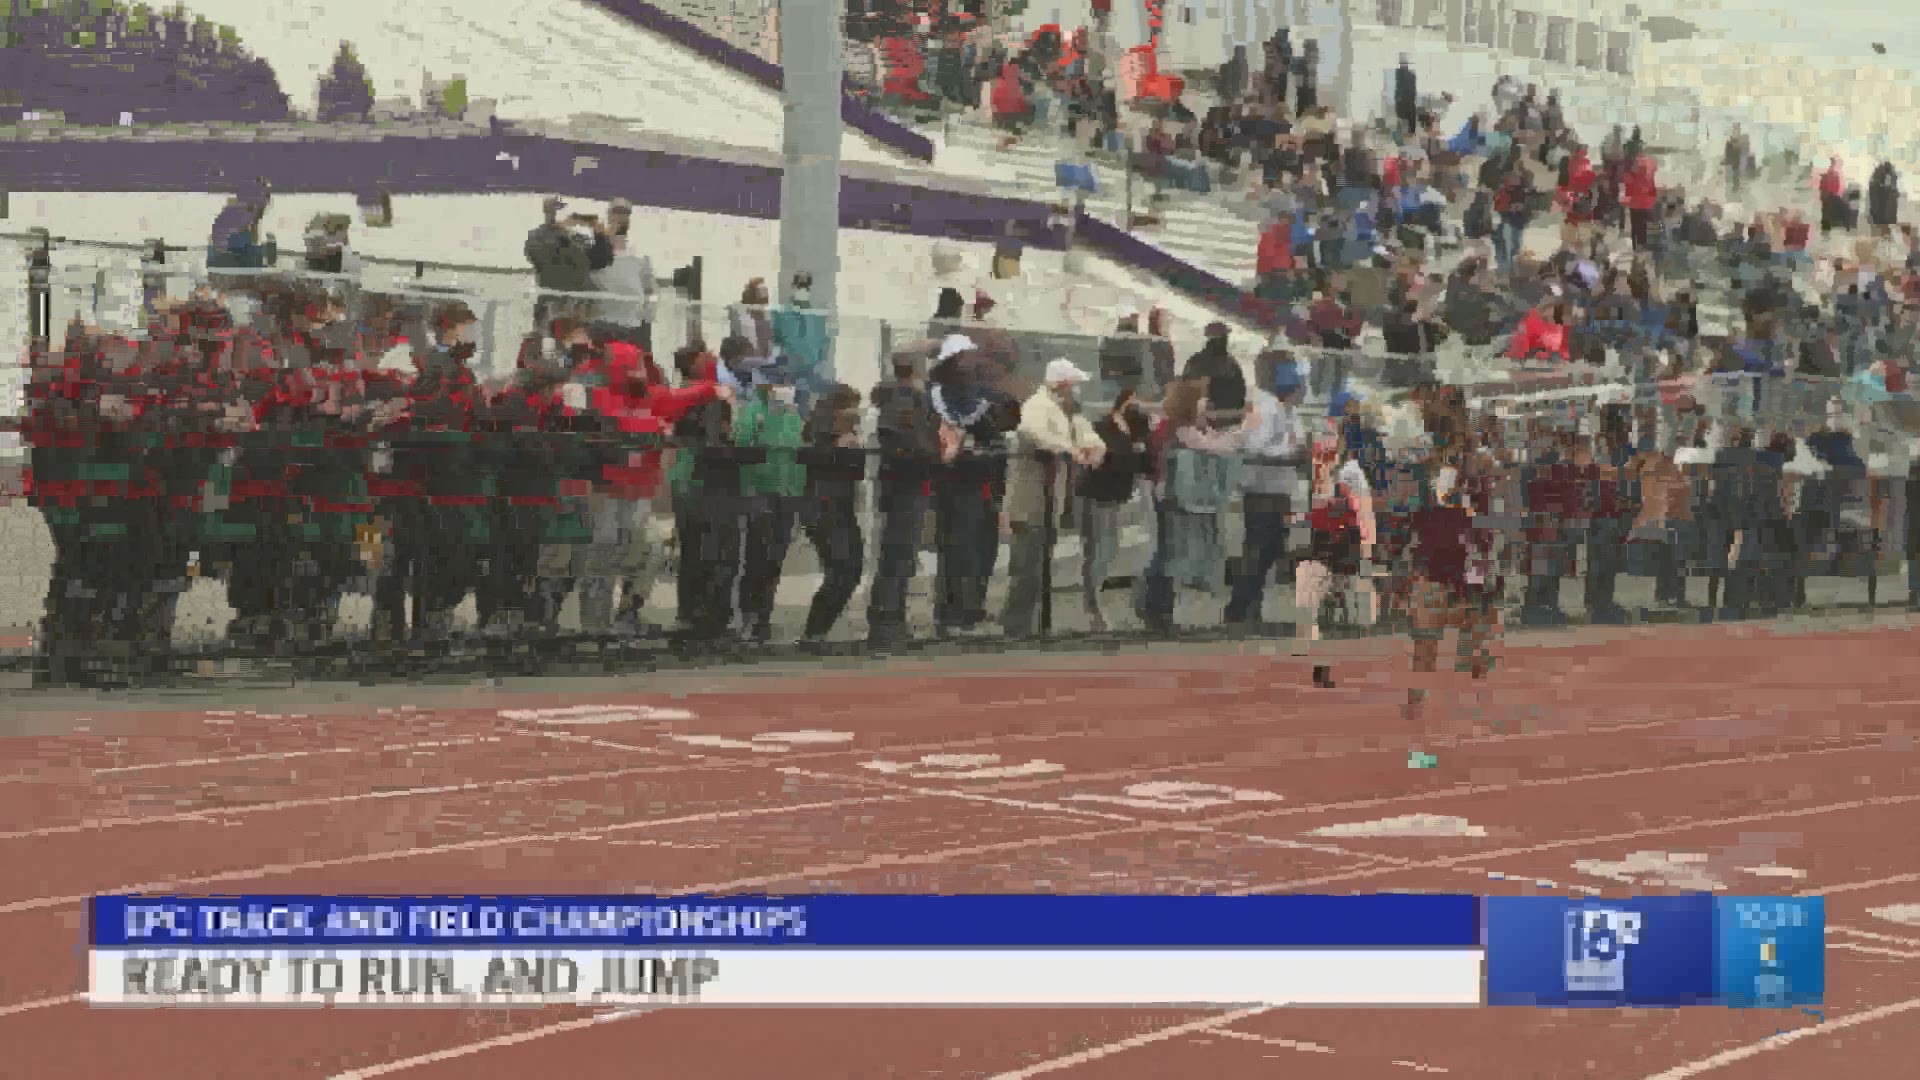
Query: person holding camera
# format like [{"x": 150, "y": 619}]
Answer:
[{"x": 565, "y": 254}]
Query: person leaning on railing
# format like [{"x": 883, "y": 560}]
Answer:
[
  {"x": 912, "y": 444},
  {"x": 1197, "y": 482},
  {"x": 708, "y": 508},
  {"x": 979, "y": 419},
  {"x": 836, "y": 463},
  {"x": 768, "y": 419},
  {"x": 1053, "y": 434},
  {"x": 1104, "y": 490}
]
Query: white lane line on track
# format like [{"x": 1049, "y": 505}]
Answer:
[
  {"x": 1547, "y": 781},
  {"x": 220, "y": 812},
  {"x": 588, "y": 740},
  {"x": 1269, "y": 1040},
  {"x": 1856, "y": 886},
  {"x": 1892, "y": 939},
  {"x": 700, "y": 762},
  {"x": 1582, "y": 841},
  {"x": 1784, "y": 1039},
  {"x": 1450, "y": 863},
  {"x": 1278, "y": 842},
  {"x": 1121, "y": 1046},
  {"x": 40, "y": 903},
  {"x": 1489, "y": 739},
  {"x": 1074, "y": 811},
  {"x": 678, "y": 765},
  {"x": 291, "y": 755},
  {"x": 1875, "y": 950},
  {"x": 596, "y": 714},
  {"x": 454, "y": 1053},
  {"x": 41, "y": 1003},
  {"x": 965, "y": 796}
]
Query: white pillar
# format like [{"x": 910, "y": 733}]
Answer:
[{"x": 810, "y": 184}]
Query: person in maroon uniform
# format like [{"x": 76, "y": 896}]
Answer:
[
  {"x": 93, "y": 479},
  {"x": 386, "y": 388},
  {"x": 172, "y": 369},
  {"x": 441, "y": 533},
  {"x": 263, "y": 507},
  {"x": 1456, "y": 583},
  {"x": 328, "y": 481},
  {"x": 520, "y": 445},
  {"x": 62, "y": 414}
]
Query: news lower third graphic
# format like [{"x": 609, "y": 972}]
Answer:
[
  {"x": 815, "y": 950},
  {"x": 1408, "y": 949}
]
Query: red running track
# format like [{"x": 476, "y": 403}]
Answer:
[{"x": 1666, "y": 760}]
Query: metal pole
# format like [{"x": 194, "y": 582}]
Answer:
[
  {"x": 39, "y": 291},
  {"x": 810, "y": 185},
  {"x": 1049, "y": 469}
]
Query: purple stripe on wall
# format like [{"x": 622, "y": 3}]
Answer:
[
  {"x": 855, "y": 114},
  {"x": 402, "y": 165}
]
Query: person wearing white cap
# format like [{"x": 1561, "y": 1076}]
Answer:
[
  {"x": 954, "y": 344},
  {"x": 1053, "y": 434},
  {"x": 975, "y": 422}
]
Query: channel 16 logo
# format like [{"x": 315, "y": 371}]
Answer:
[{"x": 1597, "y": 942}]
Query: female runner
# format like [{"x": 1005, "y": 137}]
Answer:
[
  {"x": 1455, "y": 580},
  {"x": 1340, "y": 516}
]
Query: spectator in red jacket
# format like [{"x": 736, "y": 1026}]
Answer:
[
  {"x": 1641, "y": 193},
  {"x": 1542, "y": 335},
  {"x": 630, "y": 536},
  {"x": 1274, "y": 261},
  {"x": 1011, "y": 110},
  {"x": 1833, "y": 201},
  {"x": 1576, "y": 194}
]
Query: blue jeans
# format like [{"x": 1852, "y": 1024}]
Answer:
[
  {"x": 1266, "y": 547},
  {"x": 1508, "y": 235},
  {"x": 1157, "y": 595}
]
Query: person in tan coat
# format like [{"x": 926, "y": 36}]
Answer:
[
  {"x": 1664, "y": 521},
  {"x": 1053, "y": 435}
]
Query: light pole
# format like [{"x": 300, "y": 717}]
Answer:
[{"x": 810, "y": 35}]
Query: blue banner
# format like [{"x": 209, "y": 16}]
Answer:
[
  {"x": 1744, "y": 952},
  {"x": 1771, "y": 951},
  {"x": 1557, "y": 952},
  {"x": 1039, "y": 921}
]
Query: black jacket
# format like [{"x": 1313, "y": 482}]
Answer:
[
  {"x": 1405, "y": 95},
  {"x": 833, "y": 471},
  {"x": 1883, "y": 196},
  {"x": 1128, "y": 454},
  {"x": 908, "y": 433},
  {"x": 1226, "y": 383}
]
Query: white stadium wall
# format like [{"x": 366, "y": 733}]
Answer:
[
  {"x": 544, "y": 61},
  {"x": 883, "y": 276}
]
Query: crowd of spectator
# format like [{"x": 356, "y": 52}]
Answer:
[{"x": 300, "y": 444}]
